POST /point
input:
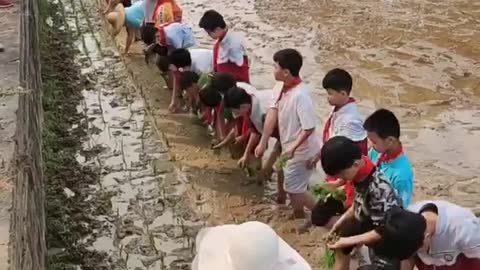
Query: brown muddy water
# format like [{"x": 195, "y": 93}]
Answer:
[{"x": 420, "y": 59}]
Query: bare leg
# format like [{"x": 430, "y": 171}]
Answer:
[
  {"x": 342, "y": 261},
  {"x": 281, "y": 194}
]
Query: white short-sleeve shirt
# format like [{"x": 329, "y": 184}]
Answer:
[
  {"x": 296, "y": 112},
  {"x": 348, "y": 122},
  {"x": 231, "y": 49},
  {"x": 457, "y": 232},
  {"x": 202, "y": 60}
]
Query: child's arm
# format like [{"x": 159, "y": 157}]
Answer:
[
  {"x": 252, "y": 142},
  {"x": 220, "y": 126},
  {"x": 228, "y": 139},
  {"x": 173, "y": 102},
  {"x": 268, "y": 127},
  {"x": 304, "y": 134}
]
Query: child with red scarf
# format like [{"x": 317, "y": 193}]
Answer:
[
  {"x": 294, "y": 113},
  {"x": 344, "y": 120},
  {"x": 383, "y": 130},
  {"x": 363, "y": 223},
  {"x": 229, "y": 55}
]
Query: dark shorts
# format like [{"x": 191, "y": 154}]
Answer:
[{"x": 325, "y": 210}]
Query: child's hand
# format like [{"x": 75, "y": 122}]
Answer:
[
  {"x": 260, "y": 149},
  {"x": 343, "y": 242},
  {"x": 173, "y": 108},
  {"x": 243, "y": 161},
  {"x": 289, "y": 154}
]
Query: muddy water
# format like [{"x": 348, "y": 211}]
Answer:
[
  {"x": 149, "y": 226},
  {"x": 420, "y": 59}
]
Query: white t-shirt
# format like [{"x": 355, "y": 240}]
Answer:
[
  {"x": 347, "y": 122},
  {"x": 296, "y": 112},
  {"x": 202, "y": 60},
  {"x": 260, "y": 104},
  {"x": 457, "y": 232},
  {"x": 231, "y": 49}
]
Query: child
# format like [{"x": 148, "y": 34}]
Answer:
[
  {"x": 436, "y": 235},
  {"x": 229, "y": 54},
  {"x": 180, "y": 60},
  {"x": 383, "y": 131},
  {"x": 191, "y": 84},
  {"x": 252, "y": 106},
  {"x": 344, "y": 120},
  {"x": 363, "y": 222},
  {"x": 159, "y": 12},
  {"x": 130, "y": 17},
  {"x": 296, "y": 123}
]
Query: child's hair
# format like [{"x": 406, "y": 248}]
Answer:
[
  {"x": 235, "y": 97},
  {"x": 222, "y": 82},
  {"x": 338, "y": 80},
  {"x": 187, "y": 79},
  {"x": 162, "y": 63},
  {"x": 210, "y": 97},
  {"x": 289, "y": 59},
  {"x": 180, "y": 58},
  {"x": 338, "y": 154},
  {"x": 404, "y": 232},
  {"x": 160, "y": 50},
  {"x": 148, "y": 32},
  {"x": 212, "y": 20},
  {"x": 384, "y": 123}
]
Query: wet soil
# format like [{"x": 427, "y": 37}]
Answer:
[{"x": 402, "y": 56}]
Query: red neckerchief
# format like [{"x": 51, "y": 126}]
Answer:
[
  {"x": 328, "y": 123},
  {"x": 365, "y": 171},
  {"x": 216, "y": 49},
  {"x": 386, "y": 157},
  {"x": 162, "y": 36},
  {"x": 289, "y": 85}
]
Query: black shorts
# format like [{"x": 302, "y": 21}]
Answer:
[{"x": 325, "y": 210}]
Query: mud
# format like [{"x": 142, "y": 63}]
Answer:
[{"x": 419, "y": 59}]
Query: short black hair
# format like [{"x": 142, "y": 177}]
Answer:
[
  {"x": 289, "y": 59},
  {"x": 384, "y": 123},
  {"x": 210, "y": 97},
  {"x": 148, "y": 33},
  {"x": 403, "y": 233},
  {"x": 235, "y": 97},
  {"x": 162, "y": 63},
  {"x": 338, "y": 80},
  {"x": 222, "y": 82},
  {"x": 180, "y": 58},
  {"x": 338, "y": 154},
  {"x": 160, "y": 50},
  {"x": 187, "y": 79},
  {"x": 212, "y": 20}
]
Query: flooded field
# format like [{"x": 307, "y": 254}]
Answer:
[{"x": 420, "y": 59}]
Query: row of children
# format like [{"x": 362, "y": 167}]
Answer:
[{"x": 378, "y": 182}]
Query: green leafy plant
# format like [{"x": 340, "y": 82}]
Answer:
[
  {"x": 281, "y": 162},
  {"x": 323, "y": 192}
]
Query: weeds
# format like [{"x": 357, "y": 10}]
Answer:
[{"x": 69, "y": 220}]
